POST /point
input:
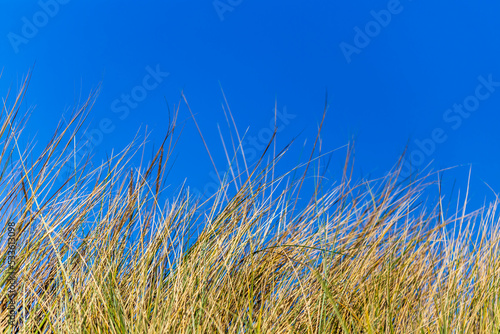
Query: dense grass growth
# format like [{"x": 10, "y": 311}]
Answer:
[{"x": 104, "y": 252}]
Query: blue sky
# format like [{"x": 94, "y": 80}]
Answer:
[{"x": 396, "y": 72}]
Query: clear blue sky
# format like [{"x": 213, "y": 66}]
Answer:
[{"x": 419, "y": 71}]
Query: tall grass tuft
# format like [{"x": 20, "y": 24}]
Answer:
[{"x": 100, "y": 249}]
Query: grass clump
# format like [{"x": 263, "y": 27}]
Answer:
[{"x": 103, "y": 251}]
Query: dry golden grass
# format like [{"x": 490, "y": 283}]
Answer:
[{"x": 104, "y": 253}]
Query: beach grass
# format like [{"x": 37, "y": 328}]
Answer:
[{"x": 102, "y": 249}]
